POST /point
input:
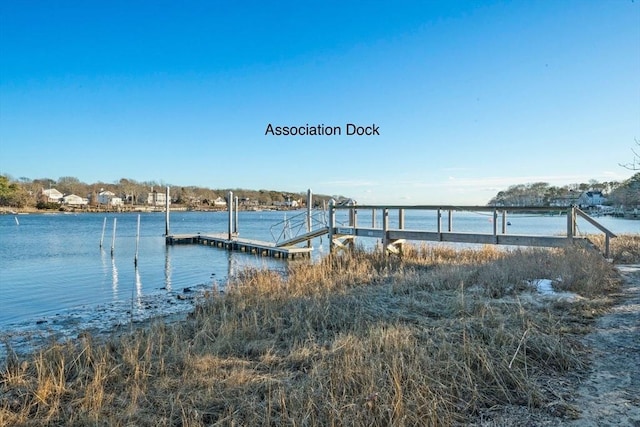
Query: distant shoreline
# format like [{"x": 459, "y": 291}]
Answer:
[{"x": 133, "y": 209}]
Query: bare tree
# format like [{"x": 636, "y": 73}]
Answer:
[{"x": 635, "y": 162}]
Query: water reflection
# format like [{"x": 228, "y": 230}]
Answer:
[
  {"x": 138, "y": 289},
  {"x": 114, "y": 278},
  {"x": 167, "y": 268},
  {"x": 233, "y": 264},
  {"x": 105, "y": 266}
]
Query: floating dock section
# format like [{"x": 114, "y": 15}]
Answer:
[
  {"x": 231, "y": 241},
  {"x": 241, "y": 245}
]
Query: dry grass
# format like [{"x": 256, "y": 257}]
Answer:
[
  {"x": 625, "y": 249},
  {"x": 433, "y": 338}
]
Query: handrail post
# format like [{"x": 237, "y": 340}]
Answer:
[
  {"x": 355, "y": 217},
  {"x": 450, "y": 228},
  {"x": 373, "y": 218},
  {"x": 439, "y": 221},
  {"x": 495, "y": 225},
  {"x": 571, "y": 222},
  {"x": 401, "y": 219},
  {"x": 332, "y": 222},
  {"x": 504, "y": 222},
  {"x": 385, "y": 229}
]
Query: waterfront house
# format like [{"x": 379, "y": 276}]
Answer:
[
  {"x": 156, "y": 199},
  {"x": 109, "y": 198},
  {"x": 49, "y": 196},
  {"x": 220, "y": 203},
  {"x": 591, "y": 198},
  {"x": 74, "y": 201}
]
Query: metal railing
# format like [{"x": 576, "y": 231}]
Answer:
[{"x": 298, "y": 225}]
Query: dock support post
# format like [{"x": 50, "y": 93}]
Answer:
[
  {"x": 230, "y": 209},
  {"x": 385, "y": 229},
  {"x": 353, "y": 222},
  {"x": 166, "y": 212},
  {"x": 332, "y": 222},
  {"x": 104, "y": 225},
  {"x": 504, "y": 222},
  {"x": 309, "y": 210},
  {"x": 113, "y": 238},
  {"x": 571, "y": 222},
  {"x": 135, "y": 258},
  {"x": 309, "y": 214}
]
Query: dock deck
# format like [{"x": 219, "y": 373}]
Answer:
[{"x": 241, "y": 245}]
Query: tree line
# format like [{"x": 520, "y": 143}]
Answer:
[
  {"x": 23, "y": 192},
  {"x": 625, "y": 193}
]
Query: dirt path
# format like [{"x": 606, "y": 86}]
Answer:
[{"x": 610, "y": 395}]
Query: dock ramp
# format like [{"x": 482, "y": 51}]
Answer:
[{"x": 304, "y": 237}]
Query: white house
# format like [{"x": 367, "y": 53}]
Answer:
[
  {"x": 73, "y": 200},
  {"x": 49, "y": 196},
  {"x": 591, "y": 198},
  {"x": 156, "y": 199},
  {"x": 109, "y": 198},
  {"x": 220, "y": 202}
]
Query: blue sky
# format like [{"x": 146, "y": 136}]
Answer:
[{"x": 469, "y": 96}]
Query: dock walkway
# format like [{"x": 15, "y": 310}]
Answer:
[{"x": 242, "y": 245}]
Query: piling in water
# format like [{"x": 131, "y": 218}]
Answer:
[
  {"x": 135, "y": 259},
  {"x": 104, "y": 226},
  {"x": 113, "y": 238}
]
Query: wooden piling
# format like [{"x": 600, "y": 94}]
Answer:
[
  {"x": 230, "y": 209},
  {"x": 104, "y": 226},
  {"x": 113, "y": 238},
  {"x": 385, "y": 229},
  {"x": 332, "y": 224},
  {"x": 166, "y": 212},
  {"x": 135, "y": 258},
  {"x": 309, "y": 214}
]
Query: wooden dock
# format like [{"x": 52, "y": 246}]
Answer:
[
  {"x": 248, "y": 246},
  {"x": 342, "y": 236}
]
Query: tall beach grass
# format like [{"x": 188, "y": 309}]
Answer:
[{"x": 360, "y": 339}]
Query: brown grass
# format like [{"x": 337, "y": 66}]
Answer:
[
  {"x": 432, "y": 338},
  {"x": 625, "y": 249}
]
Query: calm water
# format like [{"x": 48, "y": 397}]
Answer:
[{"x": 53, "y": 271}]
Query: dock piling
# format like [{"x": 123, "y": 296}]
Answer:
[
  {"x": 113, "y": 238},
  {"x": 166, "y": 213},
  {"x": 104, "y": 226},
  {"x": 230, "y": 209},
  {"x": 135, "y": 259}
]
